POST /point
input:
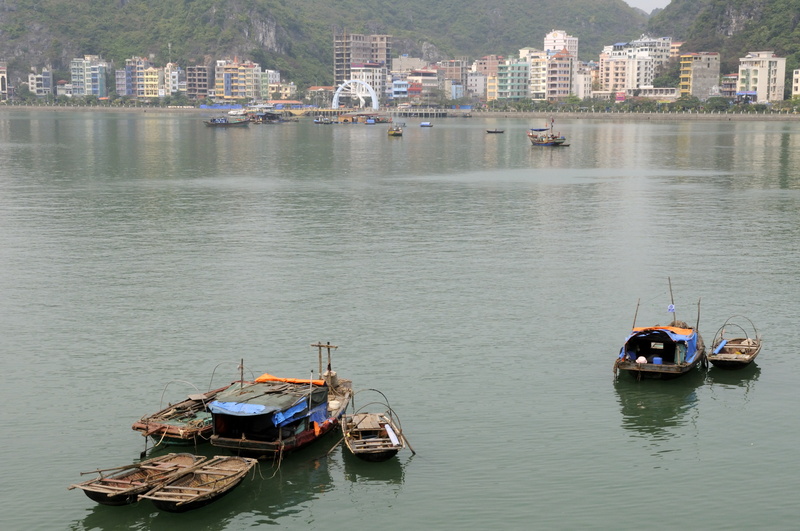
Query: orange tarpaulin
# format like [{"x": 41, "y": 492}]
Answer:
[
  {"x": 673, "y": 329},
  {"x": 266, "y": 377}
]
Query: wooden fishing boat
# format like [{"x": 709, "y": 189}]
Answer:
[
  {"x": 495, "y": 131},
  {"x": 546, "y": 137},
  {"x": 735, "y": 351},
  {"x": 201, "y": 485},
  {"x": 127, "y": 482},
  {"x": 184, "y": 423},
  {"x": 272, "y": 416},
  {"x": 227, "y": 121},
  {"x": 662, "y": 351},
  {"x": 395, "y": 130},
  {"x": 373, "y": 436}
]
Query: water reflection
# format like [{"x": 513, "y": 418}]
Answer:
[
  {"x": 727, "y": 380},
  {"x": 653, "y": 409},
  {"x": 387, "y": 472},
  {"x": 274, "y": 491}
]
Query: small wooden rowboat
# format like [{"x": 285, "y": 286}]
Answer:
[
  {"x": 126, "y": 482},
  {"x": 373, "y": 436},
  {"x": 735, "y": 352},
  {"x": 201, "y": 485}
]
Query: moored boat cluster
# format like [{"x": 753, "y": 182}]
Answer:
[{"x": 260, "y": 419}]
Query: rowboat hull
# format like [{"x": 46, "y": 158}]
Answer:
[
  {"x": 124, "y": 486},
  {"x": 200, "y": 486},
  {"x": 737, "y": 352}
]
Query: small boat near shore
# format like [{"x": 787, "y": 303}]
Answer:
[
  {"x": 738, "y": 350},
  {"x": 662, "y": 352},
  {"x": 127, "y": 482},
  {"x": 227, "y": 121},
  {"x": 426, "y": 124},
  {"x": 200, "y": 485},
  {"x": 373, "y": 436},
  {"x": 495, "y": 131},
  {"x": 273, "y": 416},
  {"x": 396, "y": 130}
]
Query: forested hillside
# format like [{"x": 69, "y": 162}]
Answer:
[{"x": 295, "y": 36}]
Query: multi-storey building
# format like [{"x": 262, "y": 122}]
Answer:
[
  {"x": 373, "y": 74},
  {"x": 795, "y": 83},
  {"x": 487, "y": 65},
  {"x": 41, "y": 84},
  {"x": 699, "y": 75},
  {"x": 557, "y": 40},
  {"x": 762, "y": 77},
  {"x": 356, "y": 48},
  {"x": 198, "y": 78},
  {"x": 3, "y": 80},
  {"x": 476, "y": 85},
  {"x": 88, "y": 76},
  {"x": 561, "y": 69},
  {"x": 537, "y": 59},
  {"x": 513, "y": 80},
  {"x": 423, "y": 86},
  {"x": 174, "y": 80},
  {"x": 728, "y": 86},
  {"x": 234, "y": 80},
  {"x": 455, "y": 70}
]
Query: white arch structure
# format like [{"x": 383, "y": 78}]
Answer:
[{"x": 335, "y": 103}]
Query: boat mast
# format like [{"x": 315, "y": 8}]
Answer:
[
  {"x": 672, "y": 301},
  {"x": 636, "y": 313}
]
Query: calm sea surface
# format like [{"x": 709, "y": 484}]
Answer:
[{"x": 485, "y": 286}]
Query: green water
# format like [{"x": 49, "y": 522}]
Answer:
[{"x": 485, "y": 286}]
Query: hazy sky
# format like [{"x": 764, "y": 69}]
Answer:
[{"x": 647, "y": 5}]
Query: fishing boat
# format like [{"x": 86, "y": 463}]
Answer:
[
  {"x": 201, "y": 485},
  {"x": 127, "y": 482},
  {"x": 547, "y": 137},
  {"x": 396, "y": 130},
  {"x": 495, "y": 131},
  {"x": 737, "y": 350},
  {"x": 227, "y": 121},
  {"x": 184, "y": 423},
  {"x": 272, "y": 415},
  {"x": 426, "y": 124},
  {"x": 373, "y": 436},
  {"x": 662, "y": 352}
]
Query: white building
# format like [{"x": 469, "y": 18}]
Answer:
[
  {"x": 761, "y": 77},
  {"x": 538, "y": 71},
  {"x": 558, "y": 40}
]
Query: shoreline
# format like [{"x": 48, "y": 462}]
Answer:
[{"x": 455, "y": 113}]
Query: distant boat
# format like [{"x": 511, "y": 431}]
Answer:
[
  {"x": 739, "y": 349},
  {"x": 426, "y": 124},
  {"x": 201, "y": 485},
  {"x": 396, "y": 130},
  {"x": 227, "y": 121},
  {"x": 495, "y": 131},
  {"x": 546, "y": 137},
  {"x": 663, "y": 352},
  {"x": 128, "y": 481}
]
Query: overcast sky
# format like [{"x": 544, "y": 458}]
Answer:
[{"x": 647, "y": 5}]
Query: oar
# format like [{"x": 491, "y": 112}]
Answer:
[{"x": 334, "y": 446}]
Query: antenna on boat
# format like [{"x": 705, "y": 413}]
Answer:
[
  {"x": 241, "y": 374},
  {"x": 636, "y": 313}
]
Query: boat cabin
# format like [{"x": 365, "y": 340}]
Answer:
[{"x": 660, "y": 345}]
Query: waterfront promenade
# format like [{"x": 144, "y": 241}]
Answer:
[{"x": 454, "y": 113}]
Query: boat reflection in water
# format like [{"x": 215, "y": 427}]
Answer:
[
  {"x": 726, "y": 380},
  {"x": 357, "y": 470},
  {"x": 656, "y": 409}
]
